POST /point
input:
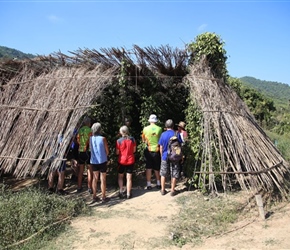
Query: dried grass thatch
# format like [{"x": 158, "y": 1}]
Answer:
[
  {"x": 45, "y": 96},
  {"x": 232, "y": 137},
  {"x": 37, "y": 106}
]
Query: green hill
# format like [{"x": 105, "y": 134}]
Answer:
[
  {"x": 279, "y": 92},
  {"x": 8, "y": 53}
]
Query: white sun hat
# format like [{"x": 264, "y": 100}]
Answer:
[{"x": 153, "y": 118}]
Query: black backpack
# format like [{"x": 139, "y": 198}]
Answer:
[{"x": 174, "y": 152}]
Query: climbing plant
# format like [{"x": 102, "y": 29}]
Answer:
[{"x": 212, "y": 46}]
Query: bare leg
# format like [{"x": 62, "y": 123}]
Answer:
[
  {"x": 162, "y": 183},
  {"x": 121, "y": 182},
  {"x": 173, "y": 184},
  {"x": 157, "y": 174},
  {"x": 148, "y": 176},
  {"x": 80, "y": 175},
  {"x": 60, "y": 183},
  {"x": 129, "y": 184},
  {"x": 90, "y": 176},
  {"x": 50, "y": 179},
  {"x": 103, "y": 185},
  {"x": 95, "y": 183}
]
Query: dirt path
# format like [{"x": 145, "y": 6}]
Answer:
[
  {"x": 143, "y": 222},
  {"x": 138, "y": 223}
]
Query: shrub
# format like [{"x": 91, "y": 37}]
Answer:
[{"x": 30, "y": 211}]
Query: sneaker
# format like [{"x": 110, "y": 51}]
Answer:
[
  {"x": 104, "y": 200},
  {"x": 158, "y": 187},
  {"x": 50, "y": 191},
  {"x": 90, "y": 191},
  {"x": 79, "y": 190},
  {"x": 122, "y": 195},
  {"x": 163, "y": 192},
  {"x": 62, "y": 192},
  {"x": 173, "y": 193},
  {"x": 129, "y": 196},
  {"x": 149, "y": 188},
  {"x": 96, "y": 199}
]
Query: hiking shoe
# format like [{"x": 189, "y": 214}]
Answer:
[
  {"x": 149, "y": 188},
  {"x": 104, "y": 200},
  {"x": 90, "y": 191},
  {"x": 173, "y": 193},
  {"x": 163, "y": 192},
  {"x": 158, "y": 187}
]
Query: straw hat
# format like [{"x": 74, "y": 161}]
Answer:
[{"x": 181, "y": 125}]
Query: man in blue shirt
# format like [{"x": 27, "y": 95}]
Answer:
[{"x": 166, "y": 165}]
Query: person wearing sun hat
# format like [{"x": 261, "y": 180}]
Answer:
[
  {"x": 181, "y": 130},
  {"x": 183, "y": 134},
  {"x": 150, "y": 136}
]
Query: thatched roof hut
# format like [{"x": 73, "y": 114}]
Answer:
[{"x": 43, "y": 97}]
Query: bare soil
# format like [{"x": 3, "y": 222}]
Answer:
[{"x": 145, "y": 222}]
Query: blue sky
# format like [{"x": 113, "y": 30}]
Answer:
[{"x": 256, "y": 33}]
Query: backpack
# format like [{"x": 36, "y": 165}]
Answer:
[{"x": 174, "y": 153}]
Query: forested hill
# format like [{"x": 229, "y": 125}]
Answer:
[
  {"x": 8, "y": 53},
  {"x": 279, "y": 92}
]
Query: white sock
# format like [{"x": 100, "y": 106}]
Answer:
[
  {"x": 158, "y": 183},
  {"x": 148, "y": 183}
]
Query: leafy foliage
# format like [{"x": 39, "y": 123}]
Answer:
[
  {"x": 29, "y": 211},
  {"x": 260, "y": 106},
  {"x": 210, "y": 45}
]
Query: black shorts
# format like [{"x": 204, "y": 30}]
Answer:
[
  {"x": 125, "y": 169},
  {"x": 152, "y": 159},
  {"x": 73, "y": 154},
  {"x": 100, "y": 167},
  {"x": 84, "y": 157}
]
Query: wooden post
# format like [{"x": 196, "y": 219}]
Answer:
[{"x": 259, "y": 201}]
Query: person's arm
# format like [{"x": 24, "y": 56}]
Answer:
[
  {"x": 78, "y": 138},
  {"x": 117, "y": 148},
  {"x": 106, "y": 146},
  {"x": 88, "y": 141},
  {"x": 135, "y": 146},
  {"x": 161, "y": 150}
]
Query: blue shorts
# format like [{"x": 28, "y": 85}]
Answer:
[
  {"x": 125, "y": 169},
  {"x": 100, "y": 167},
  {"x": 174, "y": 169}
]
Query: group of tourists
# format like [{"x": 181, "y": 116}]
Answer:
[{"x": 90, "y": 148}]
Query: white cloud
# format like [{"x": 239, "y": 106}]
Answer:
[
  {"x": 53, "y": 18},
  {"x": 202, "y": 27}
]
